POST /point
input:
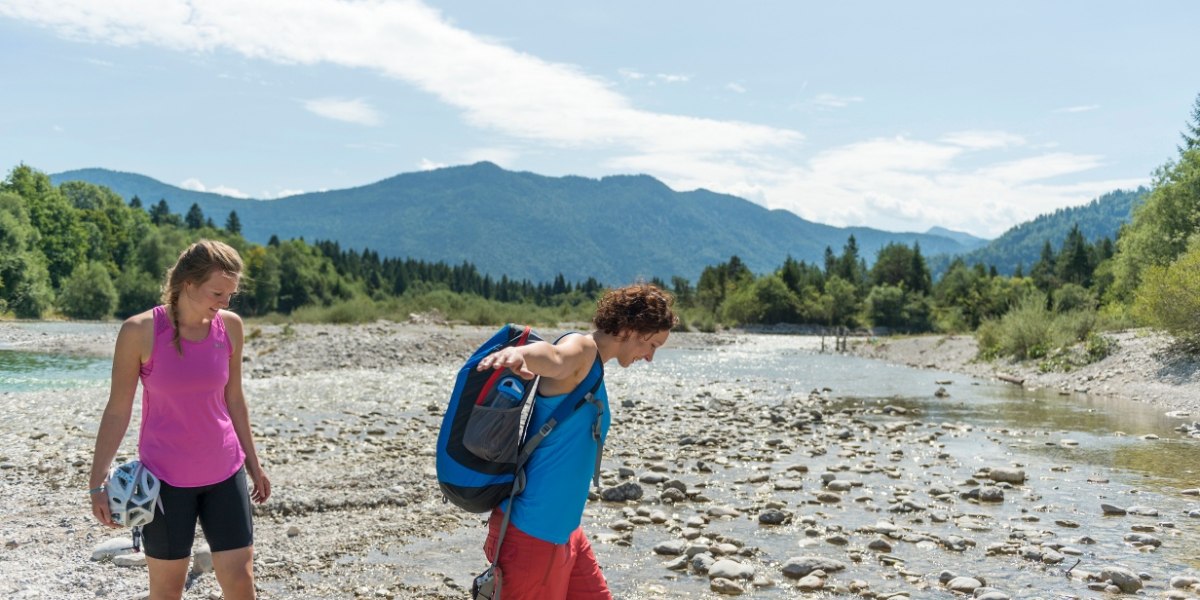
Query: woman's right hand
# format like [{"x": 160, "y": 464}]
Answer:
[
  {"x": 510, "y": 358},
  {"x": 100, "y": 509}
]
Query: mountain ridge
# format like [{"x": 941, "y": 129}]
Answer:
[{"x": 617, "y": 228}]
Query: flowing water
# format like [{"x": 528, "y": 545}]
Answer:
[{"x": 29, "y": 371}]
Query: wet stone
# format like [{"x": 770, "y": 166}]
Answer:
[{"x": 728, "y": 587}]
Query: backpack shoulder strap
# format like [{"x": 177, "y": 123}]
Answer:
[{"x": 583, "y": 393}]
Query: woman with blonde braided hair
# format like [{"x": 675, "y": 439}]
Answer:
[{"x": 195, "y": 431}]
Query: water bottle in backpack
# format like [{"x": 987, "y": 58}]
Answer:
[{"x": 508, "y": 393}]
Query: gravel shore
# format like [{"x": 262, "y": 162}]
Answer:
[
  {"x": 1142, "y": 366},
  {"x": 712, "y": 486}
]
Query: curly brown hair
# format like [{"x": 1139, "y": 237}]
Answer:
[{"x": 639, "y": 308}]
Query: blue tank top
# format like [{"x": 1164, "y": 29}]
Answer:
[{"x": 559, "y": 473}]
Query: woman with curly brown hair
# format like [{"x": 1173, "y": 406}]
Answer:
[{"x": 545, "y": 554}]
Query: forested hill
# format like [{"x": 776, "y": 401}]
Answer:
[
  {"x": 525, "y": 225},
  {"x": 1022, "y": 245}
]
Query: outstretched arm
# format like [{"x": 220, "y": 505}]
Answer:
[{"x": 569, "y": 360}]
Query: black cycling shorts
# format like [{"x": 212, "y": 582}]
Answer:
[{"x": 223, "y": 510}]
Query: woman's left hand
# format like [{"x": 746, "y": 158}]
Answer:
[{"x": 261, "y": 485}]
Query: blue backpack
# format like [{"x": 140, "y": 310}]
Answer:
[{"x": 483, "y": 444}]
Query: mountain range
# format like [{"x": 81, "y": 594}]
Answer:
[
  {"x": 529, "y": 226},
  {"x": 1022, "y": 244}
]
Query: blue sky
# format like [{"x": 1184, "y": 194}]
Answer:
[{"x": 893, "y": 115}]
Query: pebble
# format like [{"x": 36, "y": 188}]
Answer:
[
  {"x": 202, "y": 560},
  {"x": 721, "y": 585},
  {"x": 965, "y": 585},
  {"x": 730, "y": 569},
  {"x": 670, "y": 547},
  {"x": 1110, "y": 509},
  {"x": 113, "y": 547},
  {"x": 1122, "y": 579},
  {"x": 801, "y": 566},
  {"x": 136, "y": 559}
]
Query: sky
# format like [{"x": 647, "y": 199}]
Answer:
[{"x": 895, "y": 115}]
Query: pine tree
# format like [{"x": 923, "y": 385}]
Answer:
[
  {"x": 160, "y": 213},
  {"x": 233, "y": 224},
  {"x": 195, "y": 217},
  {"x": 1191, "y": 131}
]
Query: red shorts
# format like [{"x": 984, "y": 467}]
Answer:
[{"x": 535, "y": 569}]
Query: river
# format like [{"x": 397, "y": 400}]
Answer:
[{"x": 1078, "y": 452}]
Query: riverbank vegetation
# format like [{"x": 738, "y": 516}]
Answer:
[{"x": 79, "y": 250}]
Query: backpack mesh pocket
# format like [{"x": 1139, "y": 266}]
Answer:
[{"x": 494, "y": 434}]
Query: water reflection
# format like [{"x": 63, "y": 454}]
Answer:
[{"x": 29, "y": 371}]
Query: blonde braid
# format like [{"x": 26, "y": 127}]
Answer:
[{"x": 174, "y": 308}]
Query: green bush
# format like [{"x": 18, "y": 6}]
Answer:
[
  {"x": 354, "y": 310},
  {"x": 1069, "y": 328},
  {"x": 989, "y": 339},
  {"x": 1098, "y": 347},
  {"x": 88, "y": 292},
  {"x": 950, "y": 319},
  {"x": 1026, "y": 329},
  {"x": 1072, "y": 297},
  {"x": 1169, "y": 297}
]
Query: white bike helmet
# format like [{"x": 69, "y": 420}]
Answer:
[{"x": 132, "y": 494}]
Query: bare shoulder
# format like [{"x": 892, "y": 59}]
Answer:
[
  {"x": 137, "y": 332},
  {"x": 233, "y": 323},
  {"x": 139, "y": 325},
  {"x": 579, "y": 349}
]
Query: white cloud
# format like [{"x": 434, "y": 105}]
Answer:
[
  {"x": 429, "y": 165},
  {"x": 340, "y": 109},
  {"x": 284, "y": 193},
  {"x": 983, "y": 140},
  {"x": 670, "y": 78},
  {"x": 899, "y": 183},
  {"x": 735, "y": 87},
  {"x": 631, "y": 74},
  {"x": 1077, "y": 109},
  {"x": 494, "y": 86},
  {"x": 196, "y": 185},
  {"x": 835, "y": 101}
]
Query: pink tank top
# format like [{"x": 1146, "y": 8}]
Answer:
[{"x": 187, "y": 437}]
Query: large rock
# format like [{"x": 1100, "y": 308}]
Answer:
[
  {"x": 671, "y": 547},
  {"x": 1007, "y": 475},
  {"x": 800, "y": 566},
  {"x": 728, "y": 587},
  {"x": 135, "y": 559},
  {"x": 1122, "y": 578},
  {"x": 991, "y": 493},
  {"x": 621, "y": 493},
  {"x": 965, "y": 585},
  {"x": 730, "y": 569}
]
